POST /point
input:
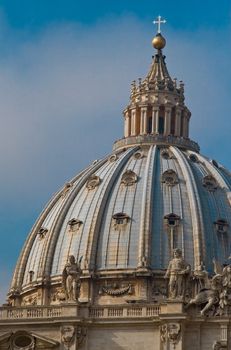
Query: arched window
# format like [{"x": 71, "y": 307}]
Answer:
[{"x": 161, "y": 120}]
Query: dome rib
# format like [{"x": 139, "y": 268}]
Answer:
[
  {"x": 146, "y": 211},
  {"x": 196, "y": 212}
]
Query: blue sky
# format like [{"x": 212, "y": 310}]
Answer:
[{"x": 65, "y": 74}]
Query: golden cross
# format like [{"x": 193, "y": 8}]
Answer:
[{"x": 158, "y": 21}]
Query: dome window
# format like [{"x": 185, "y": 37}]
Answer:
[
  {"x": 23, "y": 340},
  {"x": 93, "y": 182},
  {"x": 221, "y": 225},
  {"x": 120, "y": 220},
  {"x": 138, "y": 155},
  {"x": 113, "y": 158},
  {"x": 75, "y": 224},
  {"x": 172, "y": 220},
  {"x": 42, "y": 232},
  {"x": 214, "y": 162},
  {"x": 129, "y": 178},
  {"x": 66, "y": 188},
  {"x": 193, "y": 158},
  {"x": 210, "y": 183},
  {"x": 31, "y": 276},
  {"x": 165, "y": 154},
  {"x": 169, "y": 177}
]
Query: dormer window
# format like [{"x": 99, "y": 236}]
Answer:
[
  {"x": 138, "y": 155},
  {"x": 66, "y": 188},
  {"x": 165, "y": 154},
  {"x": 129, "y": 178},
  {"x": 120, "y": 220},
  {"x": 42, "y": 232},
  {"x": 169, "y": 177},
  {"x": 193, "y": 158},
  {"x": 210, "y": 183},
  {"x": 214, "y": 162},
  {"x": 74, "y": 224},
  {"x": 172, "y": 220},
  {"x": 31, "y": 276},
  {"x": 113, "y": 158},
  {"x": 221, "y": 225},
  {"x": 93, "y": 182}
]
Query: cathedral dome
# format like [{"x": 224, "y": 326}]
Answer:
[{"x": 125, "y": 214}]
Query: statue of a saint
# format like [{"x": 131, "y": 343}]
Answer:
[
  {"x": 71, "y": 279},
  {"x": 178, "y": 273}
]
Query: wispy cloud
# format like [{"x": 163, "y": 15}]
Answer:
[{"x": 62, "y": 92}]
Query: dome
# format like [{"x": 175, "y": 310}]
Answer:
[
  {"x": 118, "y": 215},
  {"x": 126, "y": 213}
]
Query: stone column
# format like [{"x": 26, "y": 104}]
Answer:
[
  {"x": 144, "y": 121},
  {"x": 133, "y": 122},
  {"x": 156, "y": 119},
  {"x": 167, "y": 124},
  {"x": 178, "y": 120},
  {"x": 153, "y": 120},
  {"x": 145, "y": 116},
  {"x": 126, "y": 124}
]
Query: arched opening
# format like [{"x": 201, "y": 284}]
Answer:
[
  {"x": 161, "y": 120},
  {"x": 173, "y": 121}
]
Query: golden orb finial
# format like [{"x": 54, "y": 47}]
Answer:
[{"x": 158, "y": 42}]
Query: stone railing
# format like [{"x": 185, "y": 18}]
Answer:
[
  {"x": 157, "y": 139},
  {"x": 30, "y": 312},
  {"x": 96, "y": 312},
  {"x": 124, "y": 311}
]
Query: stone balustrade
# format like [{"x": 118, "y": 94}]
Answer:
[
  {"x": 159, "y": 139},
  {"x": 73, "y": 310}
]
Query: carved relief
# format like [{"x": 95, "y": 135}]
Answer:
[
  {"x": 67, "y": 335},
  {"x": 178, "y": 273},
  {"x": 170, "y": 332},
  {"x": 58, "y": 295},
  {"x": 220, "y": 345},
  {"x": 33, "y": 299},
  {"x": 170, "y": 178},
  {"x": 129, "y": 178},
  {"x": 93, "y": 182},
  {"x": 116, "y": 289},
  {"x": 71, "y": 279}
]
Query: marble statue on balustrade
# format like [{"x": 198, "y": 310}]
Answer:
[
  {"x": 71, "y": 279},
  {"x": 216, "y": 297},
  {"x": 178, "y": 273}
]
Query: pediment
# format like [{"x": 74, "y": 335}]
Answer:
[{"x": 12, "y": 340}]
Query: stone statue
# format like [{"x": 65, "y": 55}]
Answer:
[
  {"x": 71, "y": 279},
  {"x": 178, "y": 273},
  {"x": 218, "y": 295},
  {"x": 201, "y": 278}
]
